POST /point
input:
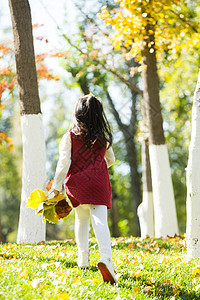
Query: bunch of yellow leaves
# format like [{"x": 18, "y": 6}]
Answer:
[{"x": 46, "y": 205}]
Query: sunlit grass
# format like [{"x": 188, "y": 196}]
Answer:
[{"x": 146, "y": 269}]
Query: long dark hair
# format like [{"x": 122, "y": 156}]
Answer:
[{"x": 91, "y": 122}]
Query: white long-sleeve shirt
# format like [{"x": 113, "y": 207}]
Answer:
[{"x": 64, "y": 161}]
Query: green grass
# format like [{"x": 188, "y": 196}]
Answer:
[{"x": 146, "y": 269}]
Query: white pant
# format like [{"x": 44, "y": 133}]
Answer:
[{"x": 98, "y": 214}]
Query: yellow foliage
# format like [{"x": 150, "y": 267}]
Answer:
[{"x": 166, "y": 20}]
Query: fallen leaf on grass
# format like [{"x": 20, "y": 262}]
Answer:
[
  {"x": 63, "y": 296},
  {"x": 165, "y": 282},
  {"x": 2, "y": 268},
  {"x": 137, "y": 274},
  {"x": 119, "y": 262},
  {"x": 196, "y": 272},
  {"x": 46, "y": 293},
  {"x": 62, "y": 279},
  {"x": 176, "y": 292},
  {"x": 147, "y": 289},
  {"x": 178, "y": 286},
  {"x": 77, "y": 279},
  {"x": 162, "y": 250},
  {"x": 23, "y": 274},
  {"x": 41, "y": 243},
  {"x": 97, "y": 280}
]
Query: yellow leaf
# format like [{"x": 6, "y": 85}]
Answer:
[
  {"x": 62, "y": 279},
  {"x": 36, "y": 197},
  {"x": 117, "y": 46},
  {"x": 46, "y": 293},
  {"x": 49, "y": 215},
  {"x": 167, "y": 281},
  {"x": 23, "y": 274},
  {"x": 196, "y": 272},
  {"x": 97, "y": 280},
  {"x": 176, "y": 292},
  {"x": 136, "y": 289},
  {"x": 77, "y": 279},
  {"x": 54, "y": 200},
  {"x": 137, "y": 274},
  {"x": 119, "y": 262},
  {"x": 147, "y": 289},
  {"x": 178, "y": 259},
  {"x": 63, "y": 296}
]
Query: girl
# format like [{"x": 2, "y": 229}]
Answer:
[{"x": 85, "y": 153}]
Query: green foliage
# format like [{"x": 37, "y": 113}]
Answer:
[
  {"x": 10, "y": 187},
  {"x": 146, "y": 269},
  {"x": 178, "y": 81}
]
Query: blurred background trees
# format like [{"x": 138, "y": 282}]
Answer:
[{"x": 88, "y": 63}]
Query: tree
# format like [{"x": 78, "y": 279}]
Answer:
[
  {"x": 193, "y": 180},
  {"x": 164, "y": 210},
  {"x": 145, "y": 209},
  {"x": 31, "y": 227},
  {"x": 152, "y": 29}
]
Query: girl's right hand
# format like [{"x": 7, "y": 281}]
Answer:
[{"x": 53, "y": 193}]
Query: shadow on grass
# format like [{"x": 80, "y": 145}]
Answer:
[
  {"x": 162, "y": 290},
  {"x": 67, "y": 264}
]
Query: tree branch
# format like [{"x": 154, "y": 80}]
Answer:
[
  {"x": 184, "y": 20},
  {"x": 121, "y": 125}
]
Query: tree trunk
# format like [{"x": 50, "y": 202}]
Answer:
[
  {"x": 134, "y": 180},
  {"x": 163, "y": 196},
  {"x": 129, "y": 134},
  {"x": 114, "y": 215},
  {"x": 145, "y": 209},
  {"x": 31, "y": 227},
  {"x": 193, "y": 181}
]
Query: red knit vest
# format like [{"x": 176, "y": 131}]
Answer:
[{"x": 87, "y": 181}]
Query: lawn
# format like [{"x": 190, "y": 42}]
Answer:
[{"x": 146, "y": 269}]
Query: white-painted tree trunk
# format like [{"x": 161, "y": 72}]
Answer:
[
  {"x": 31, "y": 227},
  {"x": 145, "y": 210},
  {"x": 165, "y": 218},
  {"x": 193, "y": 181},
  {"x": 146, "y": 215}
]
